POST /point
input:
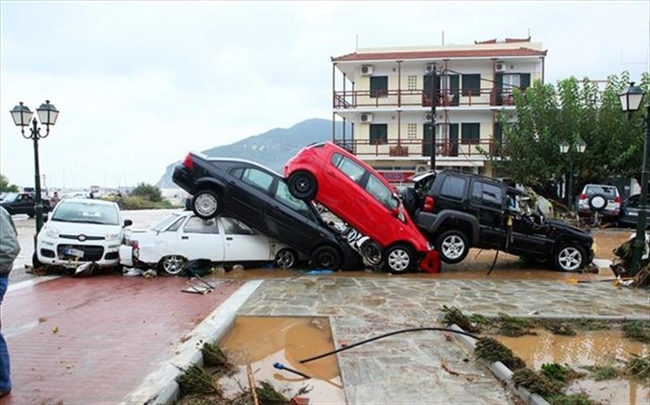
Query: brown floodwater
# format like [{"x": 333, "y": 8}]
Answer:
[
  {"x": 263, "y": 341},
  {"x": 606, "y": 347}
]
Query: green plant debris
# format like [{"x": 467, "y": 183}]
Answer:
[
  {"x": 602, "y": 372},
  {"x": 639, "y": 367},
  {"x": 195, "y": 380},
  {"x": 454, "y": 315},
  {"x": 492, "y": 350},
  {"x": 513, "y": 327},
  {"x": 561, "y": 373},
  {"x": 559, "y": 328},
  {"x": 478, "y": 319},
  {"x": 536, "y": 383},
  {"x": 267, "y": 395},
  {"x": 573, "y": 399},
  {"x": 213, "y": 356},
  {"x": 637, "y": 330},
  {"x": 591, "y": 324}
]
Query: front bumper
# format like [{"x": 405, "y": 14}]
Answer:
[{"x": 69, "y": 254}]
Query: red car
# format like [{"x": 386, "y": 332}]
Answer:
[{"x": 379, "y": 227}]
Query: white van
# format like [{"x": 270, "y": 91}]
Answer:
[{"x": 79, "y": 231}]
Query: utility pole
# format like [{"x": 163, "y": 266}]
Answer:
[{"x": 433, "y": 117}]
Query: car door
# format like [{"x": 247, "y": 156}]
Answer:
[
  {"x": 487, "y": 204},
  {"x": 201, "y": 239},
  {"x": 249, "y": 195},
  {"x": 24, "y": 204},
  {"x": 242, "y": 243}
]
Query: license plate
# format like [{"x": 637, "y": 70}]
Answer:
[{"x": 73, "y": 252}]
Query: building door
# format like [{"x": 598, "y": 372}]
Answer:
[
  {"x": 426, "y": 143},
  {"x": 453, "y": 139}
]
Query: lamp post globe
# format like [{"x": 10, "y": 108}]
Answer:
[{"x": 631, "y": 100}]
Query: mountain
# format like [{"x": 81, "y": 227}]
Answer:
[{"x": 271, "y": 149}]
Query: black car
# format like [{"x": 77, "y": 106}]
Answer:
[
  {"x": 629, "y": 215},
  {"x": 259, "y": 197},
  {"x": 458, "y": 210},
  {"x": 23, "y": 203}
]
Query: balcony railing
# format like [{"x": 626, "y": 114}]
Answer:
[
  {"x": 421, "y": 98},
  {"x": 417, "y": 148}
]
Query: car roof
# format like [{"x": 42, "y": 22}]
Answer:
[
  {"x": 234, "y": 160},
  {"x": 421, "y": 176},
  {"x": 87, "y": 201}
]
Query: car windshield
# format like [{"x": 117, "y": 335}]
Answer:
[
  {"x": 86, "y": 212},
  {"x": 607, "y": 191},
  {"x": 11, "y": 197},
  {"x": 164, "y": 223}
]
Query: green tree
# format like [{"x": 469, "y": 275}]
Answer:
[
  {"x": 548, "y": 115},
  {"x": 147, "y": 191},
  {"x": 5, "y": 186}
]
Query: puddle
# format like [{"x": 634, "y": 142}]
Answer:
[
  {"x": 263, "y": 341},
  {"x": 586, "y": 349}
]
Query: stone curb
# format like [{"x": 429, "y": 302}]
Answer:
[
  {"x": 560, "y": 317},
  {"x": 502, "y": 373},
  {"x": 160, "y": 387}
]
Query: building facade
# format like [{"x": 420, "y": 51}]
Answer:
[{"x": 393, "y": 98}]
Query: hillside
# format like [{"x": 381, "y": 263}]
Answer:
[{"x": 272, "y": 148}]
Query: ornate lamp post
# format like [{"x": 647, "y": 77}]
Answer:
[
  {"x": 47, "y": 114},
  {"x": 565, "y": 148},
  {"x": 631, "y": 99}
]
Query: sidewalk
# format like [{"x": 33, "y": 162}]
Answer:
[{"x": 94, "y": 340}]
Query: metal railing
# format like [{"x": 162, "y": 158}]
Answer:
[{"x": 417, "y": 148}]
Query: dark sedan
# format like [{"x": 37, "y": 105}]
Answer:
[
  {"x": 629, "y": 215},
  {"x": 260, "y": 198},
  {"x": 23, "y": 203}
]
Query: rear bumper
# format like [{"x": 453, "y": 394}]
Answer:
[{"x": 183, "y": 178}]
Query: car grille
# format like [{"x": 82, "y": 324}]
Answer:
[
  {"x": 91, "y": 253},
  {"x": 47, "y": 252},
  {"x": 77, "y": 237},
  {"x": 112, "y": 255}
]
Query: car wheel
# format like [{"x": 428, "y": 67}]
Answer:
[
  {"x": 569, "y": 257},
  {"x": 36, "y": 264},
  {"x": 172, "y": 265},
  {"x": 286, "y": 258},
  {"x": 597, "y": 202},
  {"x": 326, "y": 257},
  {"x": 372, "y": 252},
  {"x": 452, "y": 246},
  {"x": 302, "y": 185},
  {"x": 399, "y": 259},
  {"x": 206, "y": 204}
]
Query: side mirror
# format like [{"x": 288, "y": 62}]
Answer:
[
  {"x": 45, "y": 218},
  {"x": 127, "y": 222}
]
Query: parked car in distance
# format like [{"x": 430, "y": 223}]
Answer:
[
  {"x": 80, "y": 231},
  {"x": 183, "y": 236},
  {"x": 260, "y": 198},
  {"x": 459, "y": 210},
  {"x": 23, "y": 203},
  {"x": 366, "y": 201},
  {"x": 599, "y": 198},
  {"x": 629, "y": 215}
]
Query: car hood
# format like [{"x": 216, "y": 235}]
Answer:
[
  {"x": 76, "y": 228},
  {"x": 574, "y": 230}
]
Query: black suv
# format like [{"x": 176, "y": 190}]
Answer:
[
  {"x": 23, "y": 203},
  {"x": 260, "y": 198},
  {"x": 458, "y": 210}
]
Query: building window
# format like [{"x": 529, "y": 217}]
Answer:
[
  {"x": 378, "y": 86},
  {"x": 412, "y": 131},
  {"x": 378, "y": 133},
  {"x": 412, "y": 82},
  {"x": 470, "y": 133},
  {"x": 471, "y": 85}
]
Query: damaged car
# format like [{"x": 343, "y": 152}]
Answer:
[
  {"x": 260, "y": 198},
  {"x": 182, "y": 236},
  {"x": 376, "y": 222}
]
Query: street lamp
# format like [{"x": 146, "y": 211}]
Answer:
[
  {"x": 631, "y": 100},
  {"x": 565, "y": 148},
  {"x": 47, "y": 114}
]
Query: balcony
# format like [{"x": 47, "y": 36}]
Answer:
[
  {"x": 418, "y": 148},
  {"x": 488, "y": 97}
]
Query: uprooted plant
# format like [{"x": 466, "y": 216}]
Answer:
[
  {"x": 454, "y": 315},
  {"x": 492, "y": 350},
  {"x": 195, "y": 380}
]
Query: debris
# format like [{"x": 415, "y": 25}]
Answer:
[
  {"x": 237, "y": 267},
  {"x": 195, "y": 380},
  {"x": 447, "y": 369},
  {"x": 131, "y": 272},
  {"x": 492, "y": 350},
  {"x": 151, "y": 273},
  {"x": 198, "y": 285},
  {"x": 55, "y": 329}
]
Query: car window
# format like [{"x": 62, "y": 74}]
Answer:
[
  {"x": 174, "y": 227},
  {"x": 453, "y": 187},
  {"x": 164, "y": 223},
  {"x": 198, "y": 225},
  {"x": 607, "y": 191},
  {"x": 351, "y": 168},
  {"x": 86, "y": 212},
  {"x": 11, "y": 197},
  {"x": 257, "y": 178},
  {"x": 232, "y": 226},
  {"x": 487, "y": 194},
  {"x": 283, "y": 195},
  {"x": 383, "y": 194}
]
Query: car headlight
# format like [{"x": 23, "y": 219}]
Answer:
[
  {"x": 52, "y": 232},
  {"x": 112, "y": 236}
]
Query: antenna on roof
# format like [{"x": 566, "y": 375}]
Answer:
[
  {"x": 528, "y": 32},
  {"x": 356, "y": 46}
]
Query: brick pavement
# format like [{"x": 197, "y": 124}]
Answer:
[{"x": 92, "y": 340}]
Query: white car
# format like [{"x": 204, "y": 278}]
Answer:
[
  {"x": 182, "y": 236},
  {"x": 81, "y": 231}
]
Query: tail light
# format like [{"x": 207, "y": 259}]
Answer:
[
  {"x": 617, "y": 199},
  {"x": 583, "y": 196},
  {"x": 187, "y": 162},
  {"x": 429, "y": 202},
  {"x": 134, "y": 244}
]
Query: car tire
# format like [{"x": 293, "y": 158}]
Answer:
[
  {"x": 172, "y": 264},
  {"x": 372, "y": 252},
  {"x": 302, "y": 185},
  {"x": 206, "y": 204},
  {"x": 569, "y": 257},
  {"x": 326, "y": 257},
  {"x": 399, "y": 259},
  {"x": 36, "y": 264},
  {"x": 286, "y": 258},
  {"x": 452, "y": 246},
  {"x": 597, "y": 202}
]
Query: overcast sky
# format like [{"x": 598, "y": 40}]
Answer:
[{"x": 140, "y": 83}]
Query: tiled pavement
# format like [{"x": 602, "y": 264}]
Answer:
[{"x": 93, "y": 340}]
